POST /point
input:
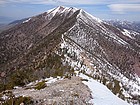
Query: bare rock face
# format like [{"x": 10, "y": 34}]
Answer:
[{"x": 66, "y": 39}]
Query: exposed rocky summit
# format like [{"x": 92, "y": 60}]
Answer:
[{"x": 62, "y": 92}]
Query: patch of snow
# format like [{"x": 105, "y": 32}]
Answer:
[
  {"x": 52, "y": 12},
  {"x": 133, "y": 86},
  {"x": 26, "y": 20},
  {"x": 32, "y": 90},
  {"x": 91, "y": 17},
  {"x": 118, "y": 39},
  {"x": 31, "y": 83},
  {"x": 101, "y": 94},
  {"x": 4, "y": 97},
  {"x": 52, "y": 80},
  {"x": 73, "y": 9},
  {"x": 65, "y": 9},
  {"x": 127, "y": 33},
  {"x": 30, "y": 46},
  {"x": 17, "y": 87},
  {"x": 61, "y": 90},
  {"x": 59, "y": 10},
  {"x": 48, "y": 81}
]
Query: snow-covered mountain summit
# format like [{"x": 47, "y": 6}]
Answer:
[{"x": 64, "y": 39}]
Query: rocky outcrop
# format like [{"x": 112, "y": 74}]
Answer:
[{"x": 63, "y": 92}]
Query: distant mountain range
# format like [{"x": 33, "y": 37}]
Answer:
[
  {"x": 64, "y": 39},
  {"x": 134, "y": 26},
  {"x": 9, "y": 25}
]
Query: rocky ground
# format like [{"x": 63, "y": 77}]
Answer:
[{"x": 62, "y": 92}]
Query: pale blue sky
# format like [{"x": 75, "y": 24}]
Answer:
[{"x": 104, "y": 9}]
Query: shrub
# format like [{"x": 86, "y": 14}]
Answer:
[
  {"x": 18, "y": 101},
  {"x": 40, "y": 85},
  {"x": 84, "y": 80},
  {"x": 76, "y": 95}
]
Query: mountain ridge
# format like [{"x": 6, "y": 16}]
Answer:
[{"x": 64, "y": 39}]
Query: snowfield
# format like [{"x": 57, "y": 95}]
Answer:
[
  {"x": 101, "y": 94},
  {"x": 26, "y": 20}
]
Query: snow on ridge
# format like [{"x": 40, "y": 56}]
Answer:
[
  {"x": 135, "y": 87},
  {"x": 26, "y": 20},
  {"x": 52, "y": 12},
  {"x": 101, "y": 94},
  {"x": 59, "y": 10},
  {"x": 62, "y": 9},
  {"x": 47, "y": 81},
  {"x": 127, "y": 33},
  {"x": 54, "y": 9},
  {"x": 118, "y": 39},
  {"x": 74, "y": 9},
  {"x": 91, "y": 17}
]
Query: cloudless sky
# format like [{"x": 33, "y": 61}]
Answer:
[{"x": 11, "y": 10}]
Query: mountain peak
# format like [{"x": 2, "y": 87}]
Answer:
[
  {"x": 62, "y": 9},
  {"x": 65, "y": 39},
  {"x": 72, "y": 10}
]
